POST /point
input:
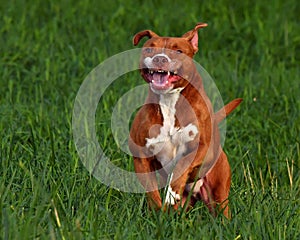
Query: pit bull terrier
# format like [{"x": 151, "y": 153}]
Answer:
[{"x": 174, "y": 137}]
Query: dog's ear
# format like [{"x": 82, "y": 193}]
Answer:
[
  {"x": 146, "y": 33},
  {"x": 192, "y": 35}
]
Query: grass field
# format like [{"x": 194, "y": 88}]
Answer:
[{"x": 252, "y": 50}]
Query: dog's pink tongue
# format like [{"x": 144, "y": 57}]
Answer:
[{"x": 160, "y": 79}]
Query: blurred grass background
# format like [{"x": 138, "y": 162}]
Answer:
[{"x": 251, "y": 49}]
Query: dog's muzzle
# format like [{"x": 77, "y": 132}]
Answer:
[{"x": 160, "y": 71}]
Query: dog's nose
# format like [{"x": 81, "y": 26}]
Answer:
[{"x": 160, "y": 60}]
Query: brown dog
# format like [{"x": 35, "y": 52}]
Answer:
[{"x": 176, "y": 132}]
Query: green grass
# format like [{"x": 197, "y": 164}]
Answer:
[{"x": 48, "y": 47}]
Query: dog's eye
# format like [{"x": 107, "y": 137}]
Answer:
[
  {"x": 148, "y": 50},
  {"x": 178, "y": 51}
]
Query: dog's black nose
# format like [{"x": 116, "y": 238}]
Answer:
[{"x": 160, "y": 60}]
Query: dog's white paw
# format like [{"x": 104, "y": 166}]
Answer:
[
  {"x": 171, "y": 196},
  {"x": 155, "y": 145},
  {"x": 185, "y": 134},
  {"x": 189, "y": 133}
]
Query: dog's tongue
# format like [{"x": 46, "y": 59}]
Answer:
[{"x": 160, "y": 79}]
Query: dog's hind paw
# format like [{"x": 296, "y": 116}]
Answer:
[{"x": 171, "y": 196}]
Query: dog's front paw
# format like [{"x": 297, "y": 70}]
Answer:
[
  {"x": 185, "y": 134},
  {"x": 189, "y": 133},
  {"x": 155, "y": 145}
]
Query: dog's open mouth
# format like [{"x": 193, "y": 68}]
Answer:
[{"x": 160, "y": 79}]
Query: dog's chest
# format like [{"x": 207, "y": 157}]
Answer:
[{"x": 171, "y": 142}]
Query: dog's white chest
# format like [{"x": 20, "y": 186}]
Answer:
[{"x": 171, "y": 142}]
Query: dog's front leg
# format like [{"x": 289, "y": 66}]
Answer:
[{"x": 148, "y": 180}]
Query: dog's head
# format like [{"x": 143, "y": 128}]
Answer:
[{"x": 166, "y": 62}]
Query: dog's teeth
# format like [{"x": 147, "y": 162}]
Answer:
[
  {"x": 175, "y": 72},
  {"x": 152, "y": 80},
  {"x": 168, "y": 73}
]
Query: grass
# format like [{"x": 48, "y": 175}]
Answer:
[{"x": 46, "y": 50}]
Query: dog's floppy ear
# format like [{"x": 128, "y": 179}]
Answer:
[
  {"x": 146, "y": 33},
  {"x": 192, "y": 36}
]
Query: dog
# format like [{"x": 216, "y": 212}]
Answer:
[{"x": 174, "y": 137}]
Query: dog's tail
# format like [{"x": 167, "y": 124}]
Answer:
[{"x": 227, "y": 109}]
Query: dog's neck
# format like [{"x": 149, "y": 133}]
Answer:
[{"x": 167, "y": 103}]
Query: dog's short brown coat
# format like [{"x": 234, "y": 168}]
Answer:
[{"x": 204, "y": 151}]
